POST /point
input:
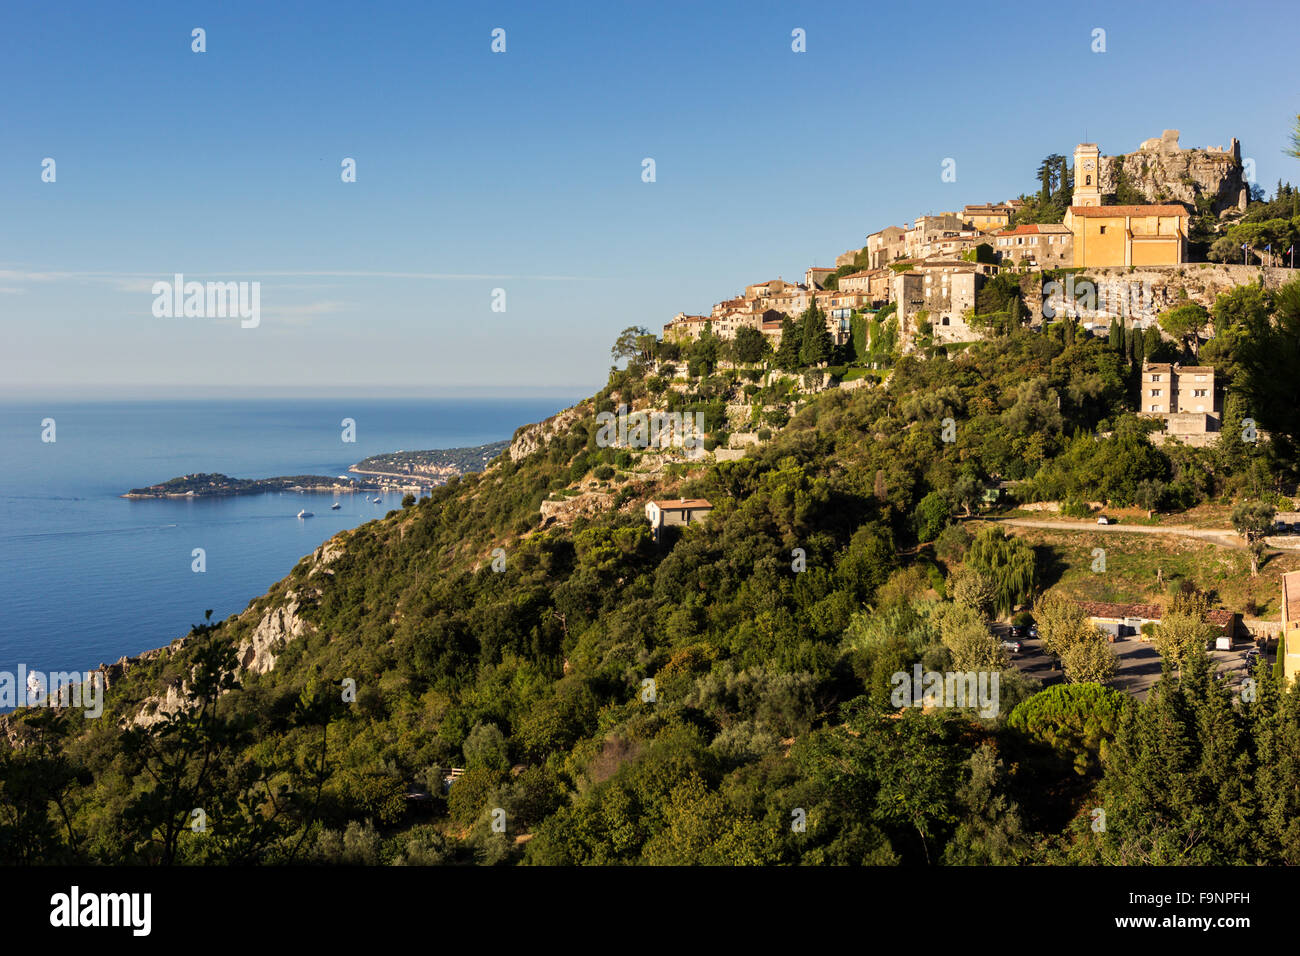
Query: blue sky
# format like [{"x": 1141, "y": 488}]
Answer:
[{"x": 522, "y": 170}]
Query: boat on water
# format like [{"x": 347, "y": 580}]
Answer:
[
  {"x": 376, "y": 500},
  {"x": 305, "y": 514},
  {"x": 335, "y": 507}
]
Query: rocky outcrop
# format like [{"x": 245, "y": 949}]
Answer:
[
  {"x": 1148, "y": 292},
  {"x": 533, "y": 438},
  {"x": 279, "y": 625},
  {"x": 1164, "y": 172},
  {"x": 157, "y": 709},
  {"x": 565, "y": 510}
]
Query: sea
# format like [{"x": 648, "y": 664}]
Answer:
[{"x": 87, "y": 577}]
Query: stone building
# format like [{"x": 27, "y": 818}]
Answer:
[
  {"x": 761, "y": 290},
  {"x": 1133, "y": 235},
  {"x": 1288, "y": 647},
  {"x": 1126, "y": 620},
  {"x": 677, "y": 511},
  {"x": 1183, "y": 397},
  {"x": 1042, "y": 245},
  {"x": 685, "y": 328},
  {"x": 926, "y": 229},
  {"x": 886, "y": 246},
  {"x": 1087, "y": 175},
  {"x": 872, "y": 283},
  {"x": 1104, "y": 236},
  {"x": 945, "y": 290},
  {"x": 987, "y": 216},
  {"x": 953, "y": 247},
  {"x": 815, "y": 277}
]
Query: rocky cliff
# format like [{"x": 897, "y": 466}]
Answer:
[
  {"x": 277, "y": 625},
  {"x": 529, "y": 438},
  {"x": 1163, "y": 171}
]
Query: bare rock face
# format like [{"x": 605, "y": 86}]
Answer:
[
  {"x": 157, "y": 709},
  {"x": 566, "y": 510},
  {"x": 531, "y": 438},
  {"x": 277, "y": 627},
  {"x": 1165, "y": 172},
  {"x": 282, "y": 622}
]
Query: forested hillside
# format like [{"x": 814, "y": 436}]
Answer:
[{"x": 722, "y": 695}]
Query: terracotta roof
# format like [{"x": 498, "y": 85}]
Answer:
[
  {"x": 1290, "y": 596},
  {"x": 682, "y": 504},
  {"x": 1033, "y": 229},
  {"x": 1103, "y": 609},
  {"x": 936, "y": 263},
  {"x": 1091, "y": 212},
  {"x": 1150, "y": 612},
  {"x": 1180, "y": 369}
]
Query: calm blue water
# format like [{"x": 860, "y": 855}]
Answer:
[{"x": 87, "y": 576}]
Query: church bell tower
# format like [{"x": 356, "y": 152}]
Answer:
[{"x": 1087, "y": 169}]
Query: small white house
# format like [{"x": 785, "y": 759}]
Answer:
[{"x": 679, "y": 511}]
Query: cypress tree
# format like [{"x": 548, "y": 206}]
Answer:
[
  {"x": 787, "y": 353},
  {"x": 817, "y": 342}
]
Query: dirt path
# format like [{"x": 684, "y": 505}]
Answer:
[{"x": 1224, "y": 537}]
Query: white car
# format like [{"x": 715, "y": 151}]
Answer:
[{"x": 1103, "y": 520}]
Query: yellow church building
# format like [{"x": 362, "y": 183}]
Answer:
[
  {"x": 1288, "y": 647},
  {"x": 1120, "y": 235}
]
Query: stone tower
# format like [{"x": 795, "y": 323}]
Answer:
[{"x": 1087, "y": 175}]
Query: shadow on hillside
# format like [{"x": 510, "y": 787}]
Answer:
[{"x": 1050, "y": 566}]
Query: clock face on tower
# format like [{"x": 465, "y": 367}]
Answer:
[{"x": 1087, "y": 164}]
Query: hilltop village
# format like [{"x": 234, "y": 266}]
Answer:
[
  {"x": 959, "y": 566},
  {"x": 1146, "y": 251},
  {"x": 930, "y": 273}
]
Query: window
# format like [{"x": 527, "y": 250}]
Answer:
[
  {"x": 1155, "y": 392},
  {"x": 1103, "y": 230}
]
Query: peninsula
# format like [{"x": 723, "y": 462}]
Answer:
[
  {"x": 432, "y": 467},
  {"x": 400, "y": 470},
  {"x": 213, "y": 485}
]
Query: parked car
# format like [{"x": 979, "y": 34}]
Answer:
[
  {"x": 1012, "y": 646},
  {"x": 1033, "y": 631},
  {"x": 1103, "y": 520},
  {"x": 1017, "y": 631}
]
